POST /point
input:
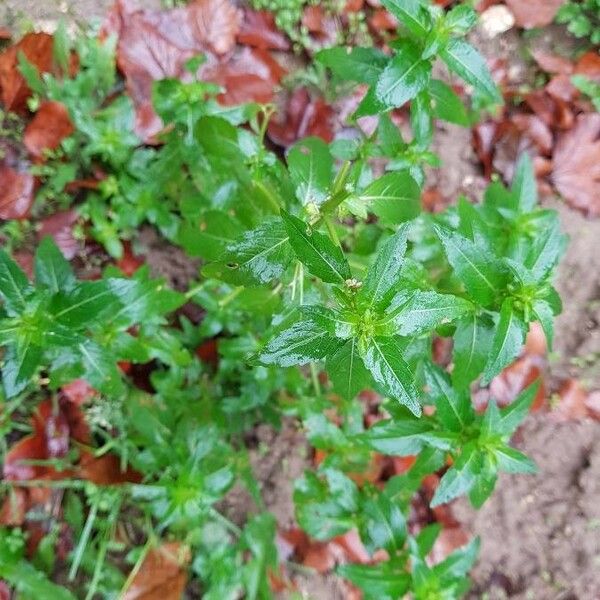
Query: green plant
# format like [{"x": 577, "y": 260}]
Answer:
[
  {"x": 582, "y": 19},
  {"x": 309, "y": 265}
]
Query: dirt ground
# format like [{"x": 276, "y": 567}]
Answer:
[{"x": 540, "y": 534}]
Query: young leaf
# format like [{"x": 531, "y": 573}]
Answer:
[
  {"x": 524, "y": 185},
  {"x": 382, "y": 581},
  {"x": 305, "y": 341},
  {"x": 453, "y": 409},
  {"x": 384, "y": 274},
  {"x": 412, "y": 14},
  {"x": 52, "y": 270},
  {"x": 393, "y": 197},
  {"x": 466, "y": 62},
  {"x": 383, "y": 359},
  {"x": 383, "y": 525},
  {"x": 472, "y": 343},
  {"x": 404, "y": 437},
  {"x": 460, "y": 478},
  {"x": 513, "y": 461},
  {"x": 508, "y": 341},
  {"x": 514, "y": 414},
  {"x": 446, "y": 103},
  {"x": 425, "y": 310},
  {"x": 459, "y": 562},
  {"x": 316, "y": 251},
  {"x": 481, "y": 274},
  {"x": 544, "y": 314},
  {"x": 544, "y": 251},
  {"x": 363, "y": 65},
  {"x": 14, "y": 285},
  {"x": 404, "y": 77},
  {"x": 311, "y": 164},
  {"x": 347, "y": 371},
  {"x": 21, "y": 362}
]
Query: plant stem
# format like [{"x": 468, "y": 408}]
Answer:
[
  {"x": 83, "y": 540},
  {"x": 314, "y": 375}
]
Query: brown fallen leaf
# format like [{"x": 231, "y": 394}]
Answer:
[
  {"x": 16, "y": 192},
  {"x": 258, "y": 29},
  {"x": 576, "y": 173},
  {"x": 37, "y": 47},
  {"x": 215, "y": 24},
  {"x": 162, "y": 575},
  {"x": 534, "y": 13},
  {"x": 50, "y": 126},
  {"x": 60, "y": 227},
  {"x": 572, "y": 402}
]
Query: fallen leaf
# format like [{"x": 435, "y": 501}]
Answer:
[
  {"x": 59, "y": 226},
  {"x": 505, "y": 387},
  {"x": 572, "y": 402},
  {"x": 16, "y": 192},
  {"x": 48, "y": 128},
  {"x": 14, "y": 507},
  {"x": 576, "y": 173},
  {"x": 552, "y": 63},
  {"x": 37, "y": 48},
  {"x": 258, "y": 29},
  {"x": 162, "y": 575},
  {"x": 448, "y": 541},
  {"x": 592, "y": 403},
  {"x": 215, "y": 23},
  {"x": 589, "y": 66},
  {"x": 534, "y": 13},
  {"x": 105, "y": 470}
]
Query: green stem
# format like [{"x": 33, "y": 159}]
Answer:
[
  {"x": 314, "y": 375},
  {"x": 83, "y": 540},
  {"x": 266, "y": 192},
  {"x": 231, "y": 296},
  {"x": 138, "y": 565},
  {"x": 231, "y": 527},
  {"x": 332, "y": 232}
]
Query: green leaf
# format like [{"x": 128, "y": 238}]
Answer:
[
  {"x": 393, "y": 197},
  {"x": 209, "y": 239},
  {"x": 485, "y": 482},
  {"x": 460, "y": 19},
  {"x": 404, "y": 437},
  {"x": 363, "y": 65},
  {"x": 480, "y": 273},
  {"x": 412, "y": 14},
  {"x": 384, "y": 274},
  {"x": 544, "y": 251},
  {"x": 383, "y": 358},
  {"x": 347, "y": 371},
  {"x": 446, "y": 103},
  {"x": 258, "y": 257},
  {"x": 524, "y": 185},
  {"x": 425, "y": 539},
  {"x": 382, "y": 581},
  {"x": 460, "y": 478},
  {"x": 544, "y": 314},
  {"x": 322, "y": 257},
  {"x": 459, "y": 563},
  {"x": 51, "y": 268},
  {"x": 305, "y": 341},
  {"x": 14, "y": 285},
  {"x": 453, "y": 409},
  {"x": 404, "y": 77},
  {"x": 514, "y": 414},
  {"x": 21, "y": 362},
  {"x": 325, "y": 503},
  {"x": 466, "y": 62},
  {"x": 311, "y": 166},
  {"x": 513, "y": 461},
  {"x": 383, "y": 525},
  {"x": 508, "y": 341},
  {"x": 472, "y": 344},
  {"x": 419, "y": 311}
]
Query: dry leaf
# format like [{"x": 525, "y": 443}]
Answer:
[
  {"x": 50, "y": 126},
  {"x": 576, "y": 173},
  {"x": 162, "y": 575},
  {"x": 534, "y": 13}
]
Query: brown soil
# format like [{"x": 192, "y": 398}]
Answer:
[{"x": 541, "y": 534}]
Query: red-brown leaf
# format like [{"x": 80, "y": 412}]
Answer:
[
  {"x": 162, "y": 575},
  {"x": 215, "y": 24},
  {"x": 16, "y": 191},
  {"x": 50, "y": 126},
  {"x": 576, "y": 173},
  {"x": 572, "y": 402},
  {"x": 534, "y": 13},
  {"x": 60, "y": 227},
  {"x": 589, "y": 66},
  {"x": 552, "y": 63},
  {"x": 37, "y": 47},
  {"x": 105, "y": 470},
  {"x": 258, "y": 29},
  {"x": 14, "y": 508}
]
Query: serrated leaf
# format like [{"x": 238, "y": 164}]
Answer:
[
  {"x": 311, "y": 166},
  {"x": 363, "y": 65},
  {"x": 544, "y": 314},
  {"x": 305, "y": 341},
  {"x": 544, "y": 251},
  {"x": 347, "y": 371},
  {"x": 472, "y": 343},
  {"x": 411, "y": 13},
  {"x": 514, "y": 461},
  {"x": 446, "y": 103},
  {"x": 453, "y": 409},
  {"x": 382, "y": 581},
  {"x": 209, "y": 239},
  {"x": 393, "y": 197},
  {"x": 421, "y": 311},
  {"x": 14, "y": 285},
  {"x": 383, "y": 359},
  {"x": 404, "y": 437},
  {"x": 20, "y": 364},
  {"x": 383, "y": 525},
  {"x": 51, "y": 268},
  {"x": 524, "y": 185},
  {"x": 458, "y": 479},
  {"x": 404, "y": 77},
  {"x": 322, "y": 257},
  {"x": 384, "y": 274},
  {"x": 480, "y": 273},
  {"x": 466, "y": 62},
  {"x": 508, "y": 341}
]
